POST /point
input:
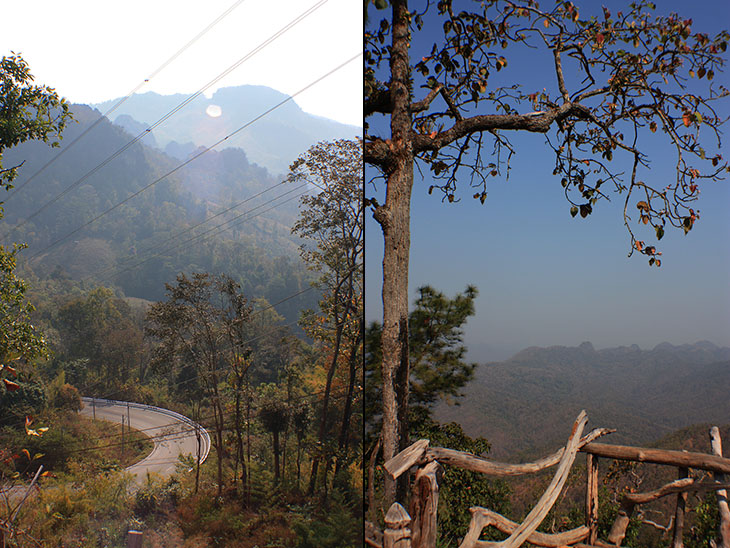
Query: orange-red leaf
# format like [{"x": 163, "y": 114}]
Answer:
[
  {"x": 10, "y": 386},
  {"x": 687, "y": 119}
]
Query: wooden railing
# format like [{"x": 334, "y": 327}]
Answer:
[{"x": 417, "y": 528}]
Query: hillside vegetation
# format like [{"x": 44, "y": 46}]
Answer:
[
  {"x": 147, "y": 241},
  {"x": 523, "y": 404}
]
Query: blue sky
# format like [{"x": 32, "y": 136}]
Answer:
[{"x": 548, "y": 279}]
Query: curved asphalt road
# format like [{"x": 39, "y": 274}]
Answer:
[{"x": 172, "y": 434}]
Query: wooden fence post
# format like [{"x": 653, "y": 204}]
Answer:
[
  {"x": 424, "y": 505},
  {"x": 592, "y": 497},
  {"x": 134, "y": 539},
  {"x": 721, "y": 494},
  {"x": 677, "y": 541},
  {"x": 397, "y": 532}
]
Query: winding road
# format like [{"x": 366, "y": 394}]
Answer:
[{"x": 172, "y": 433}]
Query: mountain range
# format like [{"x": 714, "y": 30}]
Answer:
[
  {"x": 525, "y": 405},
  {"x": 273, "y": 141}
]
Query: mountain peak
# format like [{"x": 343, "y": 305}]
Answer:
[{"x": 587, "y": 347}]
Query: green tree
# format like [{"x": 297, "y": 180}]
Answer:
[
  {"x": 274, "y": 414},
  {"x": 438, "y": 370},
  {"x": 617, "y": 79},
  {"x": 26, "y": 112},
  {"x": 331, "y": 224},
  {"x": 194, "y": 325},
  {"x": 101, "y": 328}
]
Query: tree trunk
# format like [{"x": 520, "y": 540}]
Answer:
[
  {"x": 240, "y": 455},
  {"x": 276, "y": 456},
  {"x": 347, "y": 413},
  {"x": 326, "y": 398},
  {"x": 248, "y": 440},
  {"x": 394, "y": 219},
  {"x": 218, "y": 417}
]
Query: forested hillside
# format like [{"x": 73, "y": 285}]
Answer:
[
  {"x": 148, "y": 240},
  {"x": 523, "y": 404}
]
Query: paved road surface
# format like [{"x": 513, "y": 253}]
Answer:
[{"x": 172, "y": 434}]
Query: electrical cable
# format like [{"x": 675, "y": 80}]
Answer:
[
  {"x": 170, "y": 113},
  {"x": 175, "y": 236},
  {"x": 205, "y": 235},
  {"x": 194, "y": 157},
  {"x": 126, "y": 97}
]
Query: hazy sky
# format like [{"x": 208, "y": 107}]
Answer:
[
  {"x": 548, "y": 279},
  {"x": 92, "y": 51}
]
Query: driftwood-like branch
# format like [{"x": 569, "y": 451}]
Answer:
[
  {"x": 467, "y": 461},
  {"x": 424, "y": 505},
  {"x": 373, "y": 535},
  {"x": 702, "y": 461},
  {"x": 630, "y": 500},
  {"x": 410, "y": 456},
  {"x": 543, "y": 506},
  {"x": 722, "y": 504},
  {"x": 485, "y": 518}
]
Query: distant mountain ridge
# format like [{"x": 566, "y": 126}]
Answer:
[
  {"x": 274, "y": 141},
  {"x": 522, "y": 405}
]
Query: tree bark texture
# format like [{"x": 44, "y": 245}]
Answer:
[{"x": 394, "y": 219}]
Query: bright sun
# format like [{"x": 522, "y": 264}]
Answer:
[{"x": 213, "y": 111}]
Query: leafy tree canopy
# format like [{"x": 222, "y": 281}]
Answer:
[
  {"x": 617, "y": 79},
  {"x": 28, "y": 111}
]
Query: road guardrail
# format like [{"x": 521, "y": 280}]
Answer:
[{"x": 204, "y": 436}]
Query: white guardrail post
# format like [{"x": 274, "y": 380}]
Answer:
[{"x": 194, "y": 425}]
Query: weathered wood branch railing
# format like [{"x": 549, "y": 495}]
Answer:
[{"x": 418, "y": 528}]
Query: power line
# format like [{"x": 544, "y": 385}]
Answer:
[
  {"x": 170, "y": 113},
  {"x": 124, "y": 99},
  {"x": 196, "y": 156},
  {"x": 203, "y": 236},
  {"x": 175, "y": 236}
]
